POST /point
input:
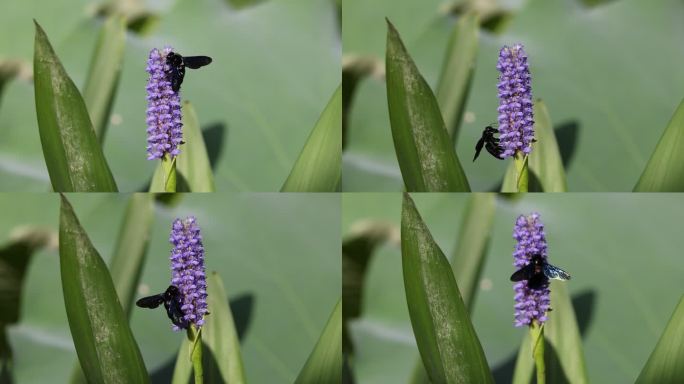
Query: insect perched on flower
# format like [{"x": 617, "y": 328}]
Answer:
[
  {"x": 185, "y": 299},
  {"x": 177, "y": 64},
  {"x": 490, "y": 143},
  {"x": 538, "y": 272},
  {"x": 532, "y": 292},
  {"x": 172, "y": 302}
]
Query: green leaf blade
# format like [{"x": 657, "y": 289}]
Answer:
[
  {"x": 131, "y": 247},
  {"x": 165, "y": 176},
  {"x": 220, "y": 338},
  {"x": 104, "y": 342},
  {"x": 468, "y": 258},
  {"x": 425, "y": 153},
  {"x": 472, "y": 243},
  {"x": 72, "y": 152},
  {"x": 324, "y": 365},
  {"x": 665, "y": 363},
  {"x": 103, "y": 77},
  {"x": 129, "y": 256},
  {"x": 448, "y": 344},
  {"x": 192, "y": 164},
  {"x": 545, "y": 161},
  {"x": 457, "y": 72},
  {"x": 319, "y": 165},
  {"x": 664, "y": 171}
]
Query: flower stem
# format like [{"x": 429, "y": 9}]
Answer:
[
  {"x": 169, "y": 171},
  {"x": 537, "y": 336},
  {"x": 195, "y": 337},
  {"x": 521, "y": 173}
]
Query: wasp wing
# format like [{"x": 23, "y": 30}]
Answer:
[
  {"x": 553, "y": 272},
  {"x": 524, "y": 273},
  {"x": 150, "y": 301},
  {"x": 478, "y": 147},
  {"x": 195, "y": 62}
]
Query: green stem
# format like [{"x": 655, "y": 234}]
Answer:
[
  {"x": 537, "y": 333},
  {"x": 169, "y": 171},
  {"x": 195, "y": 336},
  {"x": 521, "y": 174}
]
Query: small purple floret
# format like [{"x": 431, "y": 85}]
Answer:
[
  {"x": 164, "y": 125},
  {"x": 530, "y": 304},
  {"x": 187, "y": 266},
  {"x": 516, "y": 119}
]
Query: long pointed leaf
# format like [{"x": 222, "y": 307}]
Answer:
[
  {"x": 564, "y": 355},
  {"x": 457, "y": 72},
  {"x": 510, "y": 184},
  {"x": 665, "y": 363},
  {"x": 192, "y": 165},
  {"x": 129, "y": 256},
  {"x": 469, "y": 256},
  {"x": 319, "y": 166},
  {"x": 183, "y": 368},
  {"x": 545, "y": 161},
  {"x": 425, "y": 153},
  {"x": 104, "y": 343},
  {"x": 446, "y": 339},
  {"x": 324, "y": 365},
  {"x": 165, "y": 177},
  {"x": 72, "y": 152},
  {"x": 222, "y": 357},
  {"x": 664, "y": 172},
  {"x": 471, "y": 244},
  {"x": 103, "y": 75},
  {"x": 131, "y": 247}
]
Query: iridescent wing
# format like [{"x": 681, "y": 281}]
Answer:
[
  {"x": 524, "y": 273},
  {"x": 553, "y": 272}
]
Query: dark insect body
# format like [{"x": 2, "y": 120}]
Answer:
[
  {"x": 171, "y": 298},
  {"x": 538, "y": 272},
  {"x": 490, "y": 143},
  {"x": 177, "y": 64}
]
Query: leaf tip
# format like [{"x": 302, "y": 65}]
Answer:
[{"x": 391, "y": 29}]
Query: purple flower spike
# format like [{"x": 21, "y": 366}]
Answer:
[
  {"x": 516, "y": 119},
  {"x": 187, "y": 266},
  {"x": 530, "y": 304},
  {"x": 164, "y": 125}
]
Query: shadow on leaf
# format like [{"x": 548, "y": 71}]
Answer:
[
  {"x": 214, "y": 136},
  {"x": 566, "y": 135}
]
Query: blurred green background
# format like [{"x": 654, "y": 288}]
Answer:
[
  {"x": 278, "y": 256},
  {"x": 622, "y": 250},
  {"x": 276, "y": 65},
  {"x": 609, "y": 73}
]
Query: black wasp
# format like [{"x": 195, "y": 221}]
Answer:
[
  {"x": 490, "y": 143},
  {"x": 538, "y": 272},
  {"x": 172, "y": 302},
  {"x": 177, "y": 64}
]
